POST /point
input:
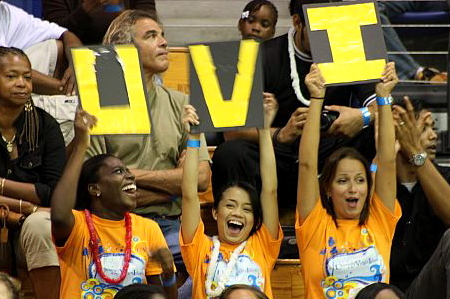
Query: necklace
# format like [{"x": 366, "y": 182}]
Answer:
[
  {"x": 212, "y": 266},
  {"x": 94, "y": 241},
  {"x": 293, "y": 64},
  {"x": 10, "y": 143}
]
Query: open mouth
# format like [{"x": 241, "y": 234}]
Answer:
[
  {"x": 130, "y": 188},
  {"x": 352, "y": 202},
  {"x": 235, "y": 226}
]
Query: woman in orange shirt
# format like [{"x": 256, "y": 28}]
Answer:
[
  {"x": 344, "y": 233},
  {"x": 249, "y": 238}
]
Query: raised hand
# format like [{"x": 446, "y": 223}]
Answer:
[
  {"x": 190, "y": 117},
  {"x": 408, "y": 129},
  {"x": 270, "y": 108},
  {"x": 83, "y": 123},
  {"x": 315, "y": 82},
  {"x": 388, "y": 81}
]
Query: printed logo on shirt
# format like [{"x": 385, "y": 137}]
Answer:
[
  {"x": 112, "y": 264},
  {"x": 347, "y": 271},
  {"x": 246, "y": 271}
]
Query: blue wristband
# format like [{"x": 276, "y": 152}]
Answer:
[
  {"x": 113, "y": 8},
  {"x": 193, "y": 143},
  {"x": 366, "y": 116},
  {"x": 169, "y": 281},
  {"x": 381, "y": 101},
  {"x": 373, "y": 167}
]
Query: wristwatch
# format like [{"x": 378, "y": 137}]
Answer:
[{"x": 419, "y": 159}]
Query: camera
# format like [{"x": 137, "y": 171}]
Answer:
[{"x": 327, "y": 118}]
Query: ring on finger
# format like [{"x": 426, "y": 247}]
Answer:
[{"x": 85, "y": 120}]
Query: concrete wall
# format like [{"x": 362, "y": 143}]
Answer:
[{"x": 191, "y": 21}]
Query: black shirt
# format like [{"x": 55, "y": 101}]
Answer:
[
  {"x": 277, "y": 80},
  {"x": 417, "y": 234},
  {"x": 43, "y": 166}
]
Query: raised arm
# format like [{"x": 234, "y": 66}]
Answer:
[
  {"x": 190, "y": 204},
  {"x": 64, "y": 196},
  {"x": 434, "y": 185},
  {"x": 268, "y": 169},
  {"x": 308, "y": 184},
  {"x": 385, "y": 178}
]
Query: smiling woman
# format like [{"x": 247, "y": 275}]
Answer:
[
  {"x": 32, "y": 157},
  {"x": 249, "y": 234},
  {"x": 101, "y": 246},
  {"x": 344, "y": 231}
]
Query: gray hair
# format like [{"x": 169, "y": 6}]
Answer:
[{"x": 121, "y": 29}]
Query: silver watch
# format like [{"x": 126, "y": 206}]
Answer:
[{"x": 419, "y": 159}]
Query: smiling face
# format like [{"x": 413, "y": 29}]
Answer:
[
  {"x": 234, "y": 216},
  {"x": 428, "y": 137},
  {"x": 15, "y": 80},
  {"x": 348, "y": 189},
  {"x": 116, "y": 187},
  {"x": 149, "y": 38},
  {"x": 259, "y": 25}
]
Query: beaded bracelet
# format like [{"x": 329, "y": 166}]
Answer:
[
  {"x": 366, "y": 116},
  {"x": 193, "y": 143}
]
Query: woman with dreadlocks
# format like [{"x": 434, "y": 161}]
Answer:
[{"x": 32, "y": 157}]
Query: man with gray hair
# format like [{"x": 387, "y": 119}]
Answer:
[{"x": 157, "y": 159}]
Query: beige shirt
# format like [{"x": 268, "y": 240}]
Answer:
[{"x": 158, "y": 151}]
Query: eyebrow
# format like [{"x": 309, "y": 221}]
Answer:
[{"x": 150, "y": 32}]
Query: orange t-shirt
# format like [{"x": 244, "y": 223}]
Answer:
[
  {"x": 338, "y": 261},
  {"x": 79, "y": 278},
  {"x": 254, "y": 265}
]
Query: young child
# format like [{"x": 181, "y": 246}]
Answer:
[
  {"x": 249, "y": 237},
  {"x": 258, "y": 20},
  {"x": 101, "y": 246}
]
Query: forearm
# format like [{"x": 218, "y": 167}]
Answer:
[
  {"x": 147, "y": 197},
  {"x": 167, "y": 181},
  {"x": 267, "y": 161},
  {"x": 436, "y": 189},
  {"x": 308, "y": 185},
  {"x": 269, "y": 182},
  {"x": 246, "y": 134},
  {"x": 70, "y": 40},
  {"x": 43, "y": 84},
  {"x": 19, "y": 190},
  {"x": 18, "y": 205},
  {"x": 385, "y": 178},
  {"x": 65, "y": 193}
]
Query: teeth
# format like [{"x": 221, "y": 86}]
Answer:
[
  {"x": 235, "y": 222},
  {"x": 130, "y": 187}
]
